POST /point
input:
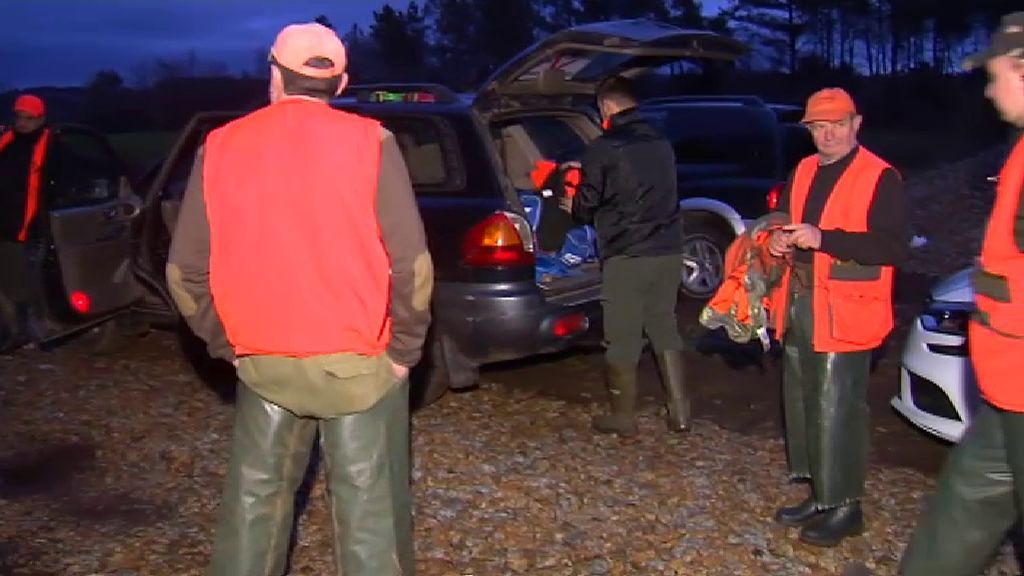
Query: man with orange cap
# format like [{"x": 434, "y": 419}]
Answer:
[
  {"x": 300, "y": 256},
  {"x": 981, "y": 490},
  {"x": 834, "y": 306},
  {"x": 23, "y": 155}
]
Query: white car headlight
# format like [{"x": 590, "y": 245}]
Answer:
[{"x": 947, "y": 317}]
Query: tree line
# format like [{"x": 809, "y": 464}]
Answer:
[
  {"x": 459, "y": 41},
  {"x": 896, "y": 56}
]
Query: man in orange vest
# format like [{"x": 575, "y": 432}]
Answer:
[
  {"x": 300, "y": 256},
  {"x": 832, "y": 308},
  {"x": 981, "y": 489},
  {"x": 23, "y": 155}
]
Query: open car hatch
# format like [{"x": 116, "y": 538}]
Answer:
[{"x": 574, "y": 61}]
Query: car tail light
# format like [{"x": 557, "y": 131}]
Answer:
[
  {"x": 503, "y": 239},
  {"x": 774, "y": 196},
  {"x": 570, "y": 325},
  {"x": 80, "y": 302}
]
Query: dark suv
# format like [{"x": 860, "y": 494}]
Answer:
[
  {"x": 470, "y": 157},
  {"x": 733, "y": 153}
]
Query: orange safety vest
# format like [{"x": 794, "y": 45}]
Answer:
[
  {"x": 740, "y": 303},
  {"x": 297, "y": 264},
  {"x": 35, "y": 174},
  {"x": 543, "y": 169},
  {"x": 852, "y": 304},
  {"x": 996, "y": 339}
]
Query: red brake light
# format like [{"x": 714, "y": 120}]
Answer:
[
  {"x": 569, "y": 325},
  {"x": 774, "y": 196},
  {"x": 496, "y": 242},
  {"x": 80, "y": 302}
]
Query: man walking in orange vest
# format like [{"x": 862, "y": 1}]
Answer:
[
  {"x": 300, "y": 255},
  {"x": 23, "y": 155},
  {"x": 833, "y": 307},
  {"x": 981, "y": 489}
]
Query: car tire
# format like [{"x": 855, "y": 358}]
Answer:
[
  {"x": 429, "y": 380},
  {"x": 704, "y": 249},
  {"x": 113, "y": 335}
]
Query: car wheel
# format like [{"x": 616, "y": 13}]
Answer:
[
  {"x": 703, "y": 262},
  {"x": 112, "y": 336},
  {"x": 429, "y": 380}
]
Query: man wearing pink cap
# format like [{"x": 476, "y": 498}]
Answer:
[
  {"x": 23, "y": 154},
  {"x": 300, "y": 257}
]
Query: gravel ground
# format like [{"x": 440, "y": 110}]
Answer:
[{"x": 114, "y": 465}]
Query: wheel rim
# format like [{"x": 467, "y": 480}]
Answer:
[{"x": 702, "y": 266}]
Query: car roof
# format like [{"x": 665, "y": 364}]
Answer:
[
  {"x": 401, "y": 107},
  {"x": 704, "y": 100},
  {"x": 405, "y": 97}
]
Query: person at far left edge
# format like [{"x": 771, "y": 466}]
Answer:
[{"x": 24, "y": 163}]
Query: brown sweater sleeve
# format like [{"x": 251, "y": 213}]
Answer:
[
  {"x": 188, "y": 267},
  {"x": 412, "y": 271}
]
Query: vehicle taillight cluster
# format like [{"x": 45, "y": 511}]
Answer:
[
  {"x": 496, "y": 242},
  {"x": 80, "y": 302},
  {"x": 774, "y": 196}
]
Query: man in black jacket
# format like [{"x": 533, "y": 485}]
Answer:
[
  {"x": 628, "y": 192},
  {"x": 24, "y": 156}
]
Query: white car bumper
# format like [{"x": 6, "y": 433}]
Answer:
[{"x": 936, "y": 383}]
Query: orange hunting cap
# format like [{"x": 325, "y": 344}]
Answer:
[
  {"x": 829, "y": 105},
  {"x": 31, "y": 105},
  {"x": 310, "y": 50}
]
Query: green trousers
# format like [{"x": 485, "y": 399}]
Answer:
[
  {"x": 977, "y": 500},
  {"x": 826, "y": 412},
  {"x": 640, "y": 295},
  {"x": 367, "y": 464}
]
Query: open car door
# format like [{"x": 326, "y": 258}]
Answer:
[
  {"x": 574, "y": 61},
  {"x": 92, "y": 219}
]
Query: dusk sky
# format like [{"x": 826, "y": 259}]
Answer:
[{"x": 64, "y": 42}]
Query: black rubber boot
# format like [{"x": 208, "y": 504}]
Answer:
[
  {"x": 833, "y": 525},
  {"x": 622, "y": 392},
  {"x": 799, "y": 515},
  {"x": 673, "y": 376}
]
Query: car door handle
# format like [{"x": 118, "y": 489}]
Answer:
[{"x": 122, "y": 210}]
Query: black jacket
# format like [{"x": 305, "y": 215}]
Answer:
[
  {"x": 628, "y": 190},
  {"x": 15, "y": 164}
]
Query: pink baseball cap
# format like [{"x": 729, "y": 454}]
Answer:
[
  {"x": 311, "y": 50},
  {"x": 31, "y": 105}
]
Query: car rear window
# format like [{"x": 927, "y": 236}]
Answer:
[
  {"x": 426, "y": 144},
  {"x": 443, "y": 151}
]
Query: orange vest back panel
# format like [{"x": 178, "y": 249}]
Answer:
[
  {"x": 997, "y": 347},
  {"x": 850, "y": 315},
  {"x": 297, "y": 264}
]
